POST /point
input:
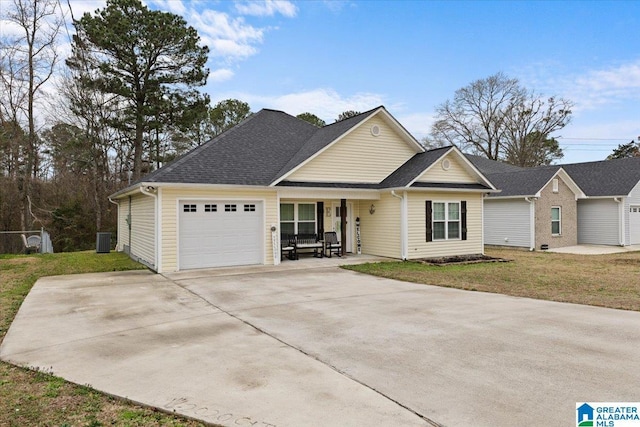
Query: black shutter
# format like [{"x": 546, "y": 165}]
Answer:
[
  {"x": 427, "y": 210},
  {"x": 320, "y": 219},
  {"x": 463, "y": 212}
]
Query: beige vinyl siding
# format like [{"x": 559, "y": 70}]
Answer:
[
  {"x": 143, "y": 232},
  {"x": 420, "y": 248},
  {"x": 170, "y": 197},
  {"x": 380, "y": 232},
  {"x": 457, "y": 172},
  {"x": 358, "y": 157},
  {"x": 123, "y": 227}
]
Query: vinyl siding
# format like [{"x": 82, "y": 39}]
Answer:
[
  {"x": 380, "y": 232},
  {"x": 123, "y": 227},
  {"x": 456, "y": 172},
  {"x": 507, "y": 222},
  {"x": 143, "y": 230},
  {"x": 418, "y": 247},
  {"x": 170, "y": 197},
  {"x": 598, "y": 222},
  {"x": 358, "y": 157}
]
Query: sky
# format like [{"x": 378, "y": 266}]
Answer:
[{"x": 326, "y": 57}]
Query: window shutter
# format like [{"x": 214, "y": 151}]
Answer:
[
  {"x": 320, "y": 219},
  {"x": 429, "y": 222},
  {"x": 463, "y": 218}
]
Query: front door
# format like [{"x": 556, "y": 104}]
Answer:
[{"x": 335, "y": 223}]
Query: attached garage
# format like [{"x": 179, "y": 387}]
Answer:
[{"x": 218, "y": 233}]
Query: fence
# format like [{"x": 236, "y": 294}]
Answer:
[{"x": 25, "y": 241}]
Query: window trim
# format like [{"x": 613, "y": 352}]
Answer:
[
  {"x": 296, "y": 217},
  {"x": 446, "y": 220},
  {"x": 559, "y": 220}
]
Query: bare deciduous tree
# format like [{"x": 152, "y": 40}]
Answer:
[{"x": 499, "y": 119}]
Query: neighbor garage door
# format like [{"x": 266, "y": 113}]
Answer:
[
  {"x": 634, "y": 225},
  {"x": 220, "y": 233}
]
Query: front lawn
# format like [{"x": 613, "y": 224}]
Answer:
[
  {"x": 29, "y": 398},
  {"x": 602, "y": 280}
]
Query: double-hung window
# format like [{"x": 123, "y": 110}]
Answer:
[
  {"x": 556, "y": 220},
  {"x": 297, "y": 218},
  {"x": 446, "y": 220}
]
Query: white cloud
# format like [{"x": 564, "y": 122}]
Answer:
[
  {"x": 267, "y": 8},
  {"x": 80, "y": 7},
  {"x": 220, "y": 75},
  {"x": 173, "y": 6},
  {"x": 418, "y": 124}
]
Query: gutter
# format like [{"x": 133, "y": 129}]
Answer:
[
  {"x": 532, "y": 222},
  {"x": 403, "y": 224}
]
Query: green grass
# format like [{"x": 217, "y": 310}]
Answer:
[
  {"x": 601, "y": 280},
  {"x": 36, "y": 398}
]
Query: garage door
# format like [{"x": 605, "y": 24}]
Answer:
[
  {"x": 220, "y": 233},
  {"x": 634, "y": 225}
]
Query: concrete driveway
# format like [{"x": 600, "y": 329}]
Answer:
[{"x": 327, "y": 347}]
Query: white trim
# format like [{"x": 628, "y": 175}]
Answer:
[
  {"x": 559, "y": 233},
  {"x": 532, "y": 222},
  {"x": 622, "y": 210},
  {"x": 446, "y": 220},
  {"x": 406, "y": 136},
  {"x": 159, "y": 216},
  {"x": 403, "y": 224},
  {"x": 327, "y": 193},
  {"x": 277, "y": 256}
]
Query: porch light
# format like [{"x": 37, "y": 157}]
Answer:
[{"x": 372, "y": 209}]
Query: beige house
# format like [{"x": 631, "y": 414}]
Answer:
[{"x": 230, "y": 201}]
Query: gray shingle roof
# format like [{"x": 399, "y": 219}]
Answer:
[
  {"x": 606, "y": 177},
  {"x": 251, "y": 153},
  {"x": 412, "y": 168},
  {"x": 522, "y": 182},
  {"x": 488, "y": 167}
]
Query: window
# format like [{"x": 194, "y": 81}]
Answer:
[
  {"x": 189, "y": 208},
  {"x": 297, "y": 218},
  {"x": 249, "y": 208},
  {"x": 446, "y": 220},
  {"x": 230, "y": 208},
  {"x": 211, "y": 208},
  {"x": 556, "y": 221}
]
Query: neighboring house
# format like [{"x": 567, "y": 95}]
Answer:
[
  {"x": 228, "y": 201},
  {"x": 562, "y": 205}
]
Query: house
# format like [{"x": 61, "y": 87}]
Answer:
[
  {"x": 562, "y": 205},
  {"x": 228, "y": 201}
]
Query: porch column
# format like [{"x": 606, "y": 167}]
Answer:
[{"x": 343, "y": 225}]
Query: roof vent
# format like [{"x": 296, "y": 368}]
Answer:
[
  {"x": 446, "y": 164},
  {"x": 375, "y": 130}
]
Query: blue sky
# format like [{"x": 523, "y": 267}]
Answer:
[{"x": 326, "y": 57}]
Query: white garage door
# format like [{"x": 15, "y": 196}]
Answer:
[
  {"x": 634, "y": 225},
  {"x": 220, "y": 233}
]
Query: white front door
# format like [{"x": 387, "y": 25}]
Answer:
[
  {"x": 634, "y": 225},
  {"x": 336, "y": 222}
]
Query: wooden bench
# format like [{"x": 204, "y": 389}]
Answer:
[{"x": 307, "y": 242}]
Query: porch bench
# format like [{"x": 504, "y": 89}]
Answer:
[
  {"x": 309, "y": 242},
  {"x": 288, "y": 247}
]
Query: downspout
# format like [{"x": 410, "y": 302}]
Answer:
[
  {"x": 117, "y": 221},
  {"x": 621, "y": 222},
  {"x": 146, "y": 192},
  {"x": 532, "y": 222},
  {"x": 403, "y": 224}
]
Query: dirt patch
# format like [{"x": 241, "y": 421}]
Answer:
[{"x": 461, "y": 259}]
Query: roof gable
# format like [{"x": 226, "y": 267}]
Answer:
[
  {"x": 612, "y": 178},
  {"x": 325, "y": 143}
]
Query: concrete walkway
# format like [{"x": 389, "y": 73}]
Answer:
[
  {"x": 595, "y": 249},
  {"x": 325, "y": 346}
]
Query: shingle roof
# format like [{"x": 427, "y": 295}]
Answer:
[
  {"x": 522, "y": 182},
  {"x": 413, "y": 167},
  {"x": 607, "y": 177},
  {"x": 251, "y": 153},
  {"x": 488, "y": 167}
]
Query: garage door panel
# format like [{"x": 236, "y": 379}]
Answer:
[
  {"x": 220, "y": 237},
  {"x": 634, "y": 225}
]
